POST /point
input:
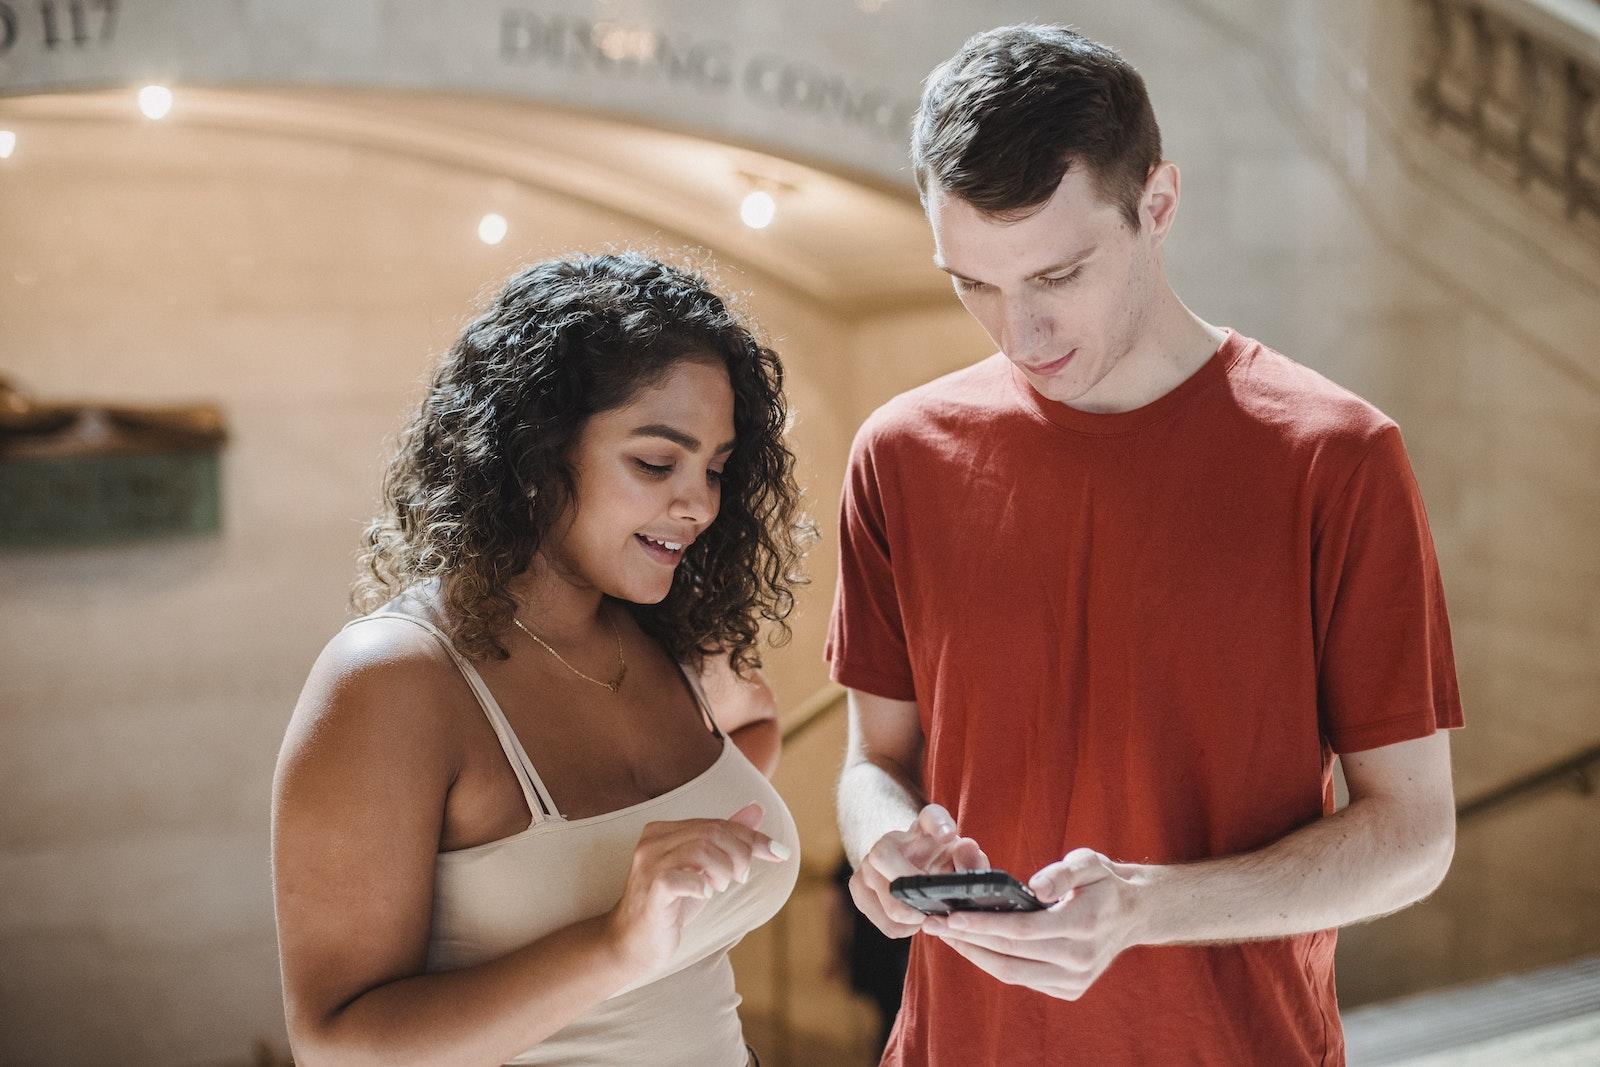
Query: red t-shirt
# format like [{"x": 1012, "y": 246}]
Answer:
[{"x": 1147, "y": 633}]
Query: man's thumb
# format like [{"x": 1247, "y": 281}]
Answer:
[
  {"x": 934, "y": 821},
  {"x": 1080, "y": 867},
  {"x": 929, "y": 836}
]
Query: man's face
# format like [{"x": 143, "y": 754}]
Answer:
[{"x": 1062, "y": 293}]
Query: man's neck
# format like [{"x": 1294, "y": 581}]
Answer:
[{"x": 1170, "y": 346}]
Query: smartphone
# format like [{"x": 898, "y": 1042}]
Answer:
[{"x": 941, "y": 894}]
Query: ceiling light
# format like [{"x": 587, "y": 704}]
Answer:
[
  {"x": 757, "y": 209},
  {"x": 8, "y": 143},
  {"x": 155, "y": 101},
  {"x": 492, "y": 229}
]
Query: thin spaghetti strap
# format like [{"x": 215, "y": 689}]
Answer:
[
  {"x": 541, "y": 806},
  {"x": 700, "y": 700}
]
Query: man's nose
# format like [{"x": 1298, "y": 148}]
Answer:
[{"x": 1023, "y": 329}]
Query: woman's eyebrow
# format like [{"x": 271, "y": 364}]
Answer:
[{"x": 676, "y": 436}]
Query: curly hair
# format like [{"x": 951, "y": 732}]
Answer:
[{"x": 564, "y": 340}]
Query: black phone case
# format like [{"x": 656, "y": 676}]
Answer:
[{"x": 941, "y": 894}]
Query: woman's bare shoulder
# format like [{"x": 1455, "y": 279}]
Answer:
[{"x": 380, "y": 683}]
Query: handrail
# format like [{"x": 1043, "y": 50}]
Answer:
[
  {"x": 815, "y": 708},
  {"x": 1575, "y": 766},
  {"x": 812, "y": 710}
]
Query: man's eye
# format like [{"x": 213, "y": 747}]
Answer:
[
  {"x": 968, "y": 287},
  {"x": 654, "y": 468},
  {"x": 1064, "y": 279}
]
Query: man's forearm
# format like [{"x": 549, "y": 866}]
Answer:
[
  {"x": 1368, "y": 860},
  {"x": 874, "y": 799}
]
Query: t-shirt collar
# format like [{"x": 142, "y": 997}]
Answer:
[{"x": 1064, "y": 417}]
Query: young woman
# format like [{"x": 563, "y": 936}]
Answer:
[{"x": 521, "y": 813}]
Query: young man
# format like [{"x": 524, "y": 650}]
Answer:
[{"x": 1112, "y": 600}]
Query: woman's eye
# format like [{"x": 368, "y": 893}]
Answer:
[
  {"x": 714, "y": 477},
  {"x": 659, "y": 470}
]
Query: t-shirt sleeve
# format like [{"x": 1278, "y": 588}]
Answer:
[
  {"x": 866, "y": 645},
  {"x": 1385, "y": 669}
]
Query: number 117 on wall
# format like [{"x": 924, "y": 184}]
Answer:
[{"x": 77, "y": 23}]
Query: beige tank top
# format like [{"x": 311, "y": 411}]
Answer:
[{"x": 492, "y": 898}]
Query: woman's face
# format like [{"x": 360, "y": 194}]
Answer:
[{"x": 649, "y": 482}]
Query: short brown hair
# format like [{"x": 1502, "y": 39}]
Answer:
[{"x": 1004, "y": 119}]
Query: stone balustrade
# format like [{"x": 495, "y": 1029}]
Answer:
[{"x": 1515, "y": 86}]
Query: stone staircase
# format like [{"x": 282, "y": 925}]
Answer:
[{"x": 1545, "y": 1018}]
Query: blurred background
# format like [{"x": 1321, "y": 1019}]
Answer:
[{"x": 267, "y": 219}]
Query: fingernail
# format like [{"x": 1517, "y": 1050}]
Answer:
[
  {"x": 957, "y": 922},
  {"x": 779, "y": 850}
]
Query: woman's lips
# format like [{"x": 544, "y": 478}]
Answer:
[{"x": 659, "y": 554}]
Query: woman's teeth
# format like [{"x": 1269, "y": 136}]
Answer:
[{"x": 670, "y": 546}]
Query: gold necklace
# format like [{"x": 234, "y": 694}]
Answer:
[{"x": 622, "y": 671}]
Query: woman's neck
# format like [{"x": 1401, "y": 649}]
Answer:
[{"x": 557, "y": 607}]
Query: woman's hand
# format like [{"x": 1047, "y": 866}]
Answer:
[{"x": 677, "y": 867}]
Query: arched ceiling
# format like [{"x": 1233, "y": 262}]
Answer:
[{"x": 841, "y": 242}]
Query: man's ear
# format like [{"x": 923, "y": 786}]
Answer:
[{"x": 1158, "y": 205}]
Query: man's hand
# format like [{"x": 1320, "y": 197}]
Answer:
[
  {"x": 1062, "y": 950},
  {"x": 930, "y": 846}
]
